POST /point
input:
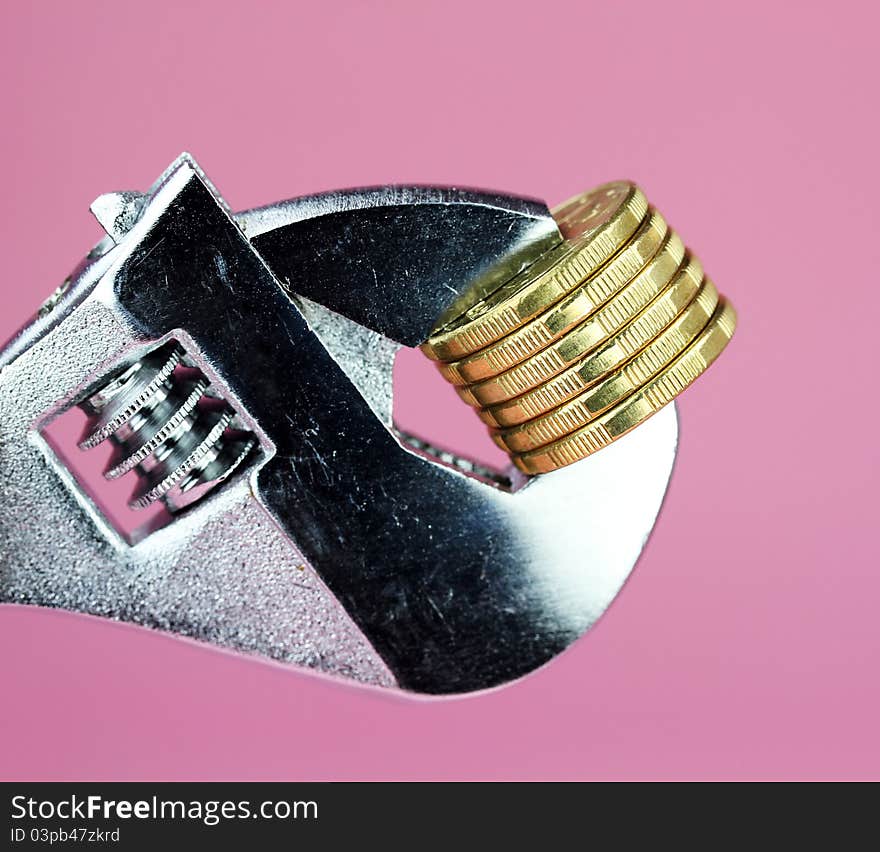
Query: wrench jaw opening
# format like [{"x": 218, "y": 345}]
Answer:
[{"x": 341, "y": 545}]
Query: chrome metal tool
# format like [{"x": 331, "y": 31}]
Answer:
[{"x": 241, "y": 366}]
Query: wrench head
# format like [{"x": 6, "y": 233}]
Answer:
[{"x": 341, "y": 545}]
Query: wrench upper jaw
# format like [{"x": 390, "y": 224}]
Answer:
[{"x": 399, "y": 259}]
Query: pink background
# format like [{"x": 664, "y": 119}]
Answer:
[{"x": 747, "y": 644}]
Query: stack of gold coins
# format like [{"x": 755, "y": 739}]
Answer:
[{"x": 593, "y": 338}]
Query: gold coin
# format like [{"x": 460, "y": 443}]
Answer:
[
  {"x": 635, "y": 409},
  {"x": 594, "y": 225},
  {"x": 647, "y": 262},
  {"x": 612, "y": 389},
  {"x": 601, "y": 342}
]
